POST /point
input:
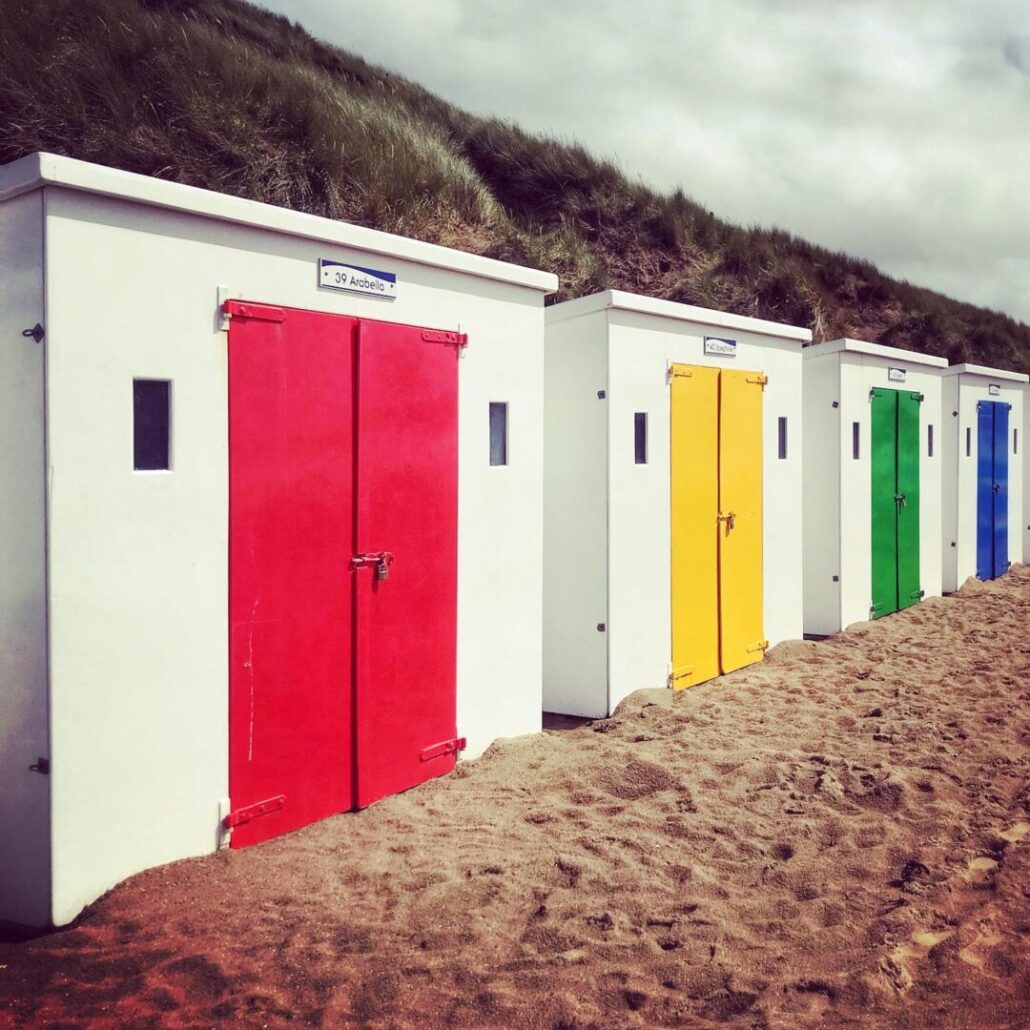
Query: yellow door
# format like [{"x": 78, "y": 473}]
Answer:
[
  {"x": 694, "y": 473},
  {"x": 740, "y": 519}
]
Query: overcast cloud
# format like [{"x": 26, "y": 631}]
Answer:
[{"x": 897, "y": 130}]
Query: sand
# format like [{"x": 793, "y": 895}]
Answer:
[{"x": 839, "y": 836}]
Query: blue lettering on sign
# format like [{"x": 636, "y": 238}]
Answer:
[{"x": 335, "y": 275}]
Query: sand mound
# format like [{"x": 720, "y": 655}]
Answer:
[{"x": 839, "y": 836}]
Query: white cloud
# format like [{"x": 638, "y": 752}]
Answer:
[{"x": 897, "y": 130}]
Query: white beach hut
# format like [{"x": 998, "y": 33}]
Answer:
[
  {"x": 873, "y": 460},
  {"x": 983, "y": 476},
  {"x": 271, "y": 535},
  {"x": 672, "y": 529}
]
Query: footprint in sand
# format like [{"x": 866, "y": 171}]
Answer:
[
  {"x": 977, "y": 952},
  {"x": 896, "y": 967},
  {"x": 1016, "y": 834},
  {"x": 980, "y": 871}
]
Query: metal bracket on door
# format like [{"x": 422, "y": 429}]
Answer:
[
  {"x": 759, "y": 380},
  {"x": 445, "y": 747},
  {"x": 248, "y": 812},
  {"x": 762, "y": 645},
  {"x": 382, "y": 560}
]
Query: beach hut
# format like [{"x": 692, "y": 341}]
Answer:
[
  {"x": 1021, "y": 447},
  {"x": 672, "y": 529},
  {"x": 873, "y": 459},
  {"x": 983, "y": 476},
  {"x": 271, "y": 535}
]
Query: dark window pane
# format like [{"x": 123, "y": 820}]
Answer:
[
  {"x": 498, "y": 433},
  {"x": 782, "y": 440},
  {"x": 929, "y": 441},
  {"x": 969, "y": 442},
  {"x": 856, "y": 436},
  {"x": 640, "y": 437},
  {"x": 151, "y": 415}
]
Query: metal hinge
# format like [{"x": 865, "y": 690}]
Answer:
[
  {"x": 759, "y": 380},
  {"x": 680, "y": 674},
  {"x": 445, "y": 747},
  {"x": 248, "y": 812},
  {"x": 458, "y": 340},
  {"x": 258, "y": 312},
  {"x": 37, "y": 332},
  {"x": 601, "y": 394},
  {"x": 762, "y": 645},
  {"x": 679, "y": 371},
  {"x": 41, "y": 765}
]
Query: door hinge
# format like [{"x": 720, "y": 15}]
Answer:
[
  {"x": 458, "y": 340},
  {"x": 680, "y": 674},
  {"x": 258, "y": 312},
  {"x": 762, "y": 645},
  {"x": 759, "y": 380},
  {"x": 37, "y": 332},
  {"x": 41, "y": 765},
  {"x": 248, "y": 812},
  {"x": 601, "y": 394},
  {"x": 679, "y": 371},
  {"x": 445, "y": 747}
]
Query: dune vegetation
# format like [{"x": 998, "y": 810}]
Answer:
[{"x": 223, "y": 95}]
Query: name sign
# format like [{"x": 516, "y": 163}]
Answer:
[
  {"x": 335, "y": 275},
  {"x": 720, "y": 345},
  {"x": 896, "y": 375},
  {"x": 994, "y": 389}
]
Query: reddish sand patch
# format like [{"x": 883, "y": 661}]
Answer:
[{"x": 835, "y": 837}]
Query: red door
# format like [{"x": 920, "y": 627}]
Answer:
[
  {"x": 407, "y": 476},
  {"x": 291, "y": 757},
  {"x": 343, "y": 440}
]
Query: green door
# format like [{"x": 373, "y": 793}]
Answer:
[
  {"x": 884, "y": 454},
  {"x": 895, "y": 500},
  {"x": 909, "y": 590}
]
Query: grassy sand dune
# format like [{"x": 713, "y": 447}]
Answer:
[
  {"x": 220, "y": 94},
  {"x": 840, "y": 834}
]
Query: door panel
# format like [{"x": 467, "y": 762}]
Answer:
[
  {"x": 1001, "y": 489},
  {"x": 740, "y": 536},
  {"x": 985, "y": 490},
  {"x": 406, "y": 626},
  {"x": 908, "y": 438},
  {"x": 694, "y": 473},
  {"x": 884, "y": 461},
  {"x": 290, "y": 542}
]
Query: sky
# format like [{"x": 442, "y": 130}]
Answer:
[{"x": 896, "y": 130}]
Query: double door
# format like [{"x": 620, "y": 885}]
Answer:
[
  {"x": 716, "y": 521},
  {"x": 895, "y": 500},
  {"x": 992, "y": 489},
  {"x": 343, "y": 479}
]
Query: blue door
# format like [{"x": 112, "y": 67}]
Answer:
[
  {"x": 992, "y": 492},
  {"x": 1001, "y": 489}
]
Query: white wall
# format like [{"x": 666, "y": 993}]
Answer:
[
  {"x": 823, "y": 454},
  {"x": 24, "y": 737},
  {"x": 859, "y": 374},
  {"x": 1024, "y": 460},
  {"x": 970, "y": 388},
  {"x": 639, "y": 625},
  {"x": 138, "y": 560},
  {"x": 954, "y": 462},
  {"x": 575, "y": 573}
]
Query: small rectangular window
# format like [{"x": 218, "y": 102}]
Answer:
[
  {"x": 640, "y": 438},
  {"x": 781, "y": 428},
  {"x": 929, "y": 441},
  {"x": 1015, "y": 441},
  {"x": 498, "y": 433},
  {"x": 969, "y": 442},
  {"x": 856, "y": 436},
  {"x": 151, "y": 421}
]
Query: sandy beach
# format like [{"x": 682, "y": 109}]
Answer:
[{"x": 839, "y": 836}]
